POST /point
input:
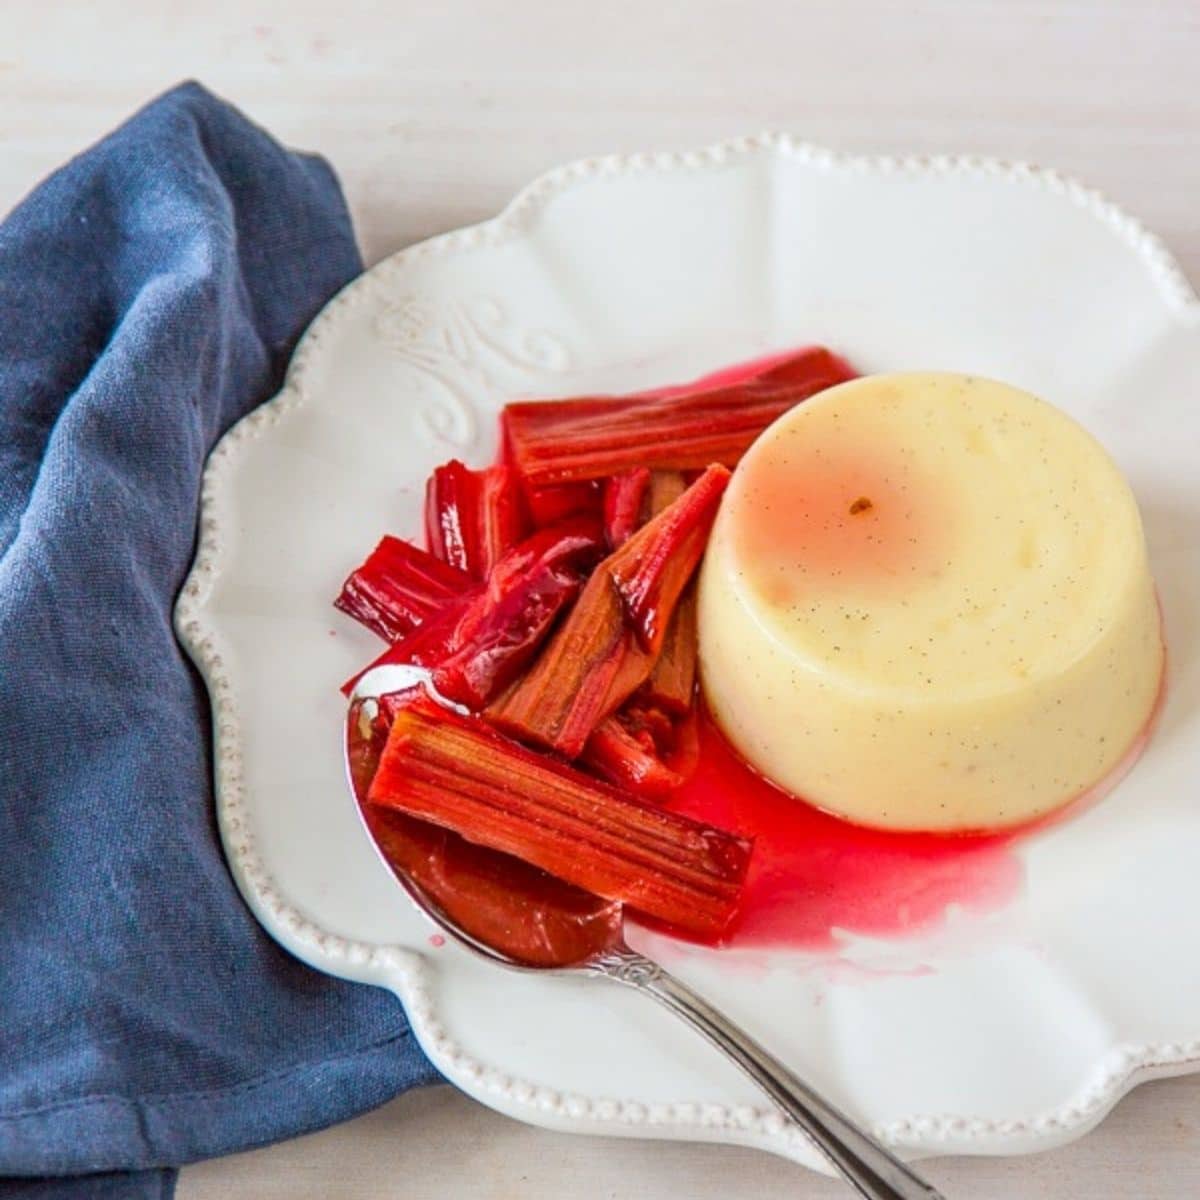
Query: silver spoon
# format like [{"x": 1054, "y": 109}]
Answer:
[{"x": 870, "y": 1168}]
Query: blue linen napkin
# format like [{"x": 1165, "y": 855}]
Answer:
[{"x": 150, "y": 294}]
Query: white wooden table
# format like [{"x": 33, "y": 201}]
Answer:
[{"x": 434, "y": 114}]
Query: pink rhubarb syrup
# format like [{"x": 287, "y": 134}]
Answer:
[{"x": 812, "y": 873}]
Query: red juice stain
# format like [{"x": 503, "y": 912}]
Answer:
[
  {"x": 810, "y": 512},
  {"x": 812, "y": 873}
]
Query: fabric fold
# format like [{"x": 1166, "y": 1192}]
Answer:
[{"x": 151, "y": 291}]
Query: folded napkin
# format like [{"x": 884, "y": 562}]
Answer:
[{"x": 150, "y": 294}]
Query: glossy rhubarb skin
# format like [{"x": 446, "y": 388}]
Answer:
[
  {"x": 472, "y": 518},
  {"x": 450, "y": 515},
  {"x": 598, "y": 657},
  {"x": 549, "y": 505},
  {"x": 398, "y": 587},
  {"x": 629, "y": 760},
  {"x": 625, "y": 498},
  {"x": 586, "y": 671},
  {"x": 651, "y": 570},
  {"x": 502, "y": 629},
  {"x": 568, "y": 441},
  {"x": 502, "y": 520},
  {"x": 459, "y": 773},
  {"x": 672, "y": 682},
  {"x": 430, "y": 643},
  {"x": 480, "y": 641}
]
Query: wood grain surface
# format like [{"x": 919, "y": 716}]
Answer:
[{"x": 434, "y": 114}]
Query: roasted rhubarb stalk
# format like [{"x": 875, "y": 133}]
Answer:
[
  {"x": 431, "y": 642},
  {"x": 606, "y": 648},
  {"x": 586, "y": 671},
  {"x": 549, "y": 505},
  {"x": 502, "y": 628},
  {"x": 568, "y": 441},
  {"x": 473, "y": 517},
  {"x": 398, "y": 587},
  {"x": 478, "y": 643},
  {"x": 450, "y": 499},
  {"x": 672, "y": 683},
  {"x": 651, "y": 570},
  {"x": 458, "y": 773},
  {"x": 629, "y": 760},
  {"x": 649, "y": 724},
  {"x": 624, "y": 504}
]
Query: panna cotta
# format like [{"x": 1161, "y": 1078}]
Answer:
[{"x": 926, "y": 605}]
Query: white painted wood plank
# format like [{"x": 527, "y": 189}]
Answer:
[{"x": 434, "y": 114}]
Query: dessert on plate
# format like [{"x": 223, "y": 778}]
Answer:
[{"x": 924, "y": 605}]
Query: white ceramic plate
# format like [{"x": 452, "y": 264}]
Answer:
[{"x": 999, "y": 1034}]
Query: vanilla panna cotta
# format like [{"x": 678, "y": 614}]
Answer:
[{"x": 926, "y": 605}]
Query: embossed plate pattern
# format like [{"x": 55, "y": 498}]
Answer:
[{"x": 995, "y": 1033}]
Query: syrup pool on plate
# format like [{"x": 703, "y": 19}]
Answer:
[{"x": 813, "y": 873}]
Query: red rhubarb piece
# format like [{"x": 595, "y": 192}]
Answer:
[
  {"x": 451, "y": 500},
  {"x": 549, "y": 505},
  {"x": 566, "y": 441},
  {"x": 672, "y": 683},
  {"x": 502, "y": 632},
  {"x": 398, "y": 587},
  {"x": 478, "y": 643},
  {"x": 629, "y": 760},
  {"x": 501, "y": 516},
  {"x": 649, "y": 724},
  {"x": 457, "y": 772},
  {"x": 651, "y": 570},
  {"x": 598, "y": 656},
  {"x": 429, "y": 644},
  {"x": 586, "y": 670},
  {"x": 624, "y": 500},
  {"x": 473, "y": 517}
]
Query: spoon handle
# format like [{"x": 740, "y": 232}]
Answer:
[{"x": 872, "y": 1170}]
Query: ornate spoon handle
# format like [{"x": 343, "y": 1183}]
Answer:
[{"x": 871, "y": 1169}]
